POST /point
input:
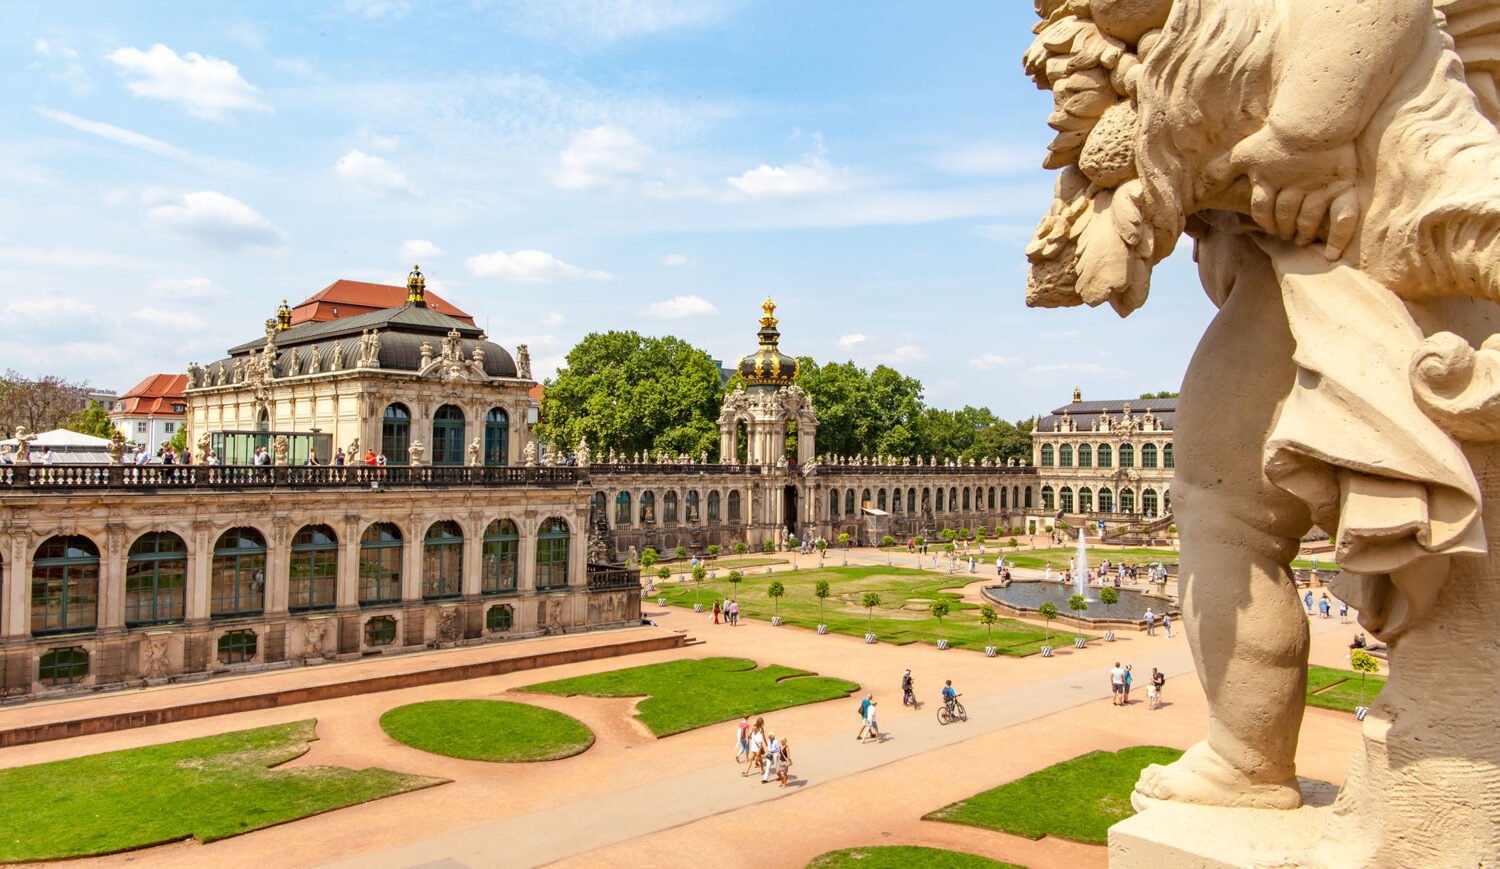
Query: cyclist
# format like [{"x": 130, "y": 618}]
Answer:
[
  {"x": 908, "y": 695},
  {"x": 949, "y": 696}
]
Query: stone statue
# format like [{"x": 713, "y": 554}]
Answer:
[
  {"x": 523, "y": 362},
  {"x": 314, "y": 634},
  {"x": 426, "y": 351},
  {"x": 158, "y": 662},
  {"x": 582, "y": 453},
  {"x": 475, "y": 453},
  {"x": 529, "y": 454},
  {"x": 23, "y": 445},
  {"x": 279, "y": 449},
  {"x": 447, "y": 625},
  {"x": 414, "y": 453},
  {"x": 337, "y": 362},
  {"x": 194, "y": 375},
  {"x": 632, "y": 557},
  {"x": 116, "y": 448},
  {"x": 314, "y": 360},
  {"x": 352, "y": 453},
  {"x": 201, "y": 456},
  {"x": 369, "y": 349},
  {"x": 1330, "y": 160}
]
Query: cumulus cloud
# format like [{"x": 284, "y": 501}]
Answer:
[
  {"x": 676, "y": 259},
  {"x": 681, "y": 307},
  {"x": 849, "y": 342},
  {"x": 187, "y": 289},
  {"x": 600, "y": 157},
  {"x": 990, "y": 361},
  {"x": 903, "y": 353},
  {"x": 418, "y": 249},
  {"x": 216, "y": 220},
  {"x": 529, "y": 267},
  {"x": 64, "y": 65},
  {"x": 177, "y": 321},
  {"x": 374, "y": 176},
  {"x": 813, "y": 175},
  {"x": 207, "y": 87}
]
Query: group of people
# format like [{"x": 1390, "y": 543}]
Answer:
[
  {"x": 1120, "y": 679},
  {"x": 762, "y": 751},
  {"x": 1166, "y": 623},
  {"x": 727, "y": 612},
  {"x": 1325, "y": 606}
]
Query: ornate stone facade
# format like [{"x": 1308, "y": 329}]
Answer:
[{"x": 1109, "y": 461}]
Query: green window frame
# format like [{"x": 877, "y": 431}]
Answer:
[
  {"x": 448, "y": 436},
  {"x": 499, "y": 619},
  {"x": 833, "y": 502},
  {"x": 395, "y": 433},
  {"x": 497, "y": 437},
  {"x": 1149, "y": 502},
  {"x": 237, "y": 584},
  {"x": 65, "y": 586},
  {"x": 552, "y": 554},
  {"x": 1127, "y": 500},
  {"x": 380, "y": 556},
  {"x": 1167, "y": 460},
  {"x": 1148, "y": 455},
  {"x": 1105, "y": 456},
  {"x": 669, "y": 507},
  {"x": 314, "y": 569},
  {"x": 1085, "y": 456},
  {"x": 1047, "y": 454},
  {"x": 1065, "y": 456},
  {"x": 237, "y": 647},
  {"x": 648, "y": 508},
  {"x": 848, "y": 502},
  {"x": 442, "y": 561},
  {"x": 734, "y": 506},
  {"x": 1065, "y": 498},
  {"x": 66, "y": 666},
  {"x": 380, "y": 631},
  {"x": 1085, "y": 500},
  {"x": 940, "y": 499},
  {"x": 1047, "y": 498},
  {"x": 622, "y": 509},
  {"x": 713, "y": 506},
  {"x": 1106, "y": 501},
  {"x": 1127, "y": 456},
  {"x": 690, "y": 504},
  {"x": 156, "y": 580},
  {"x": 967, "y": 501},
  {"x": 501, "y": 558}
]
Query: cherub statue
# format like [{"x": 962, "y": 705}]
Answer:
[
  {"x": 475, "y": 451},
  {"x": 523, "y": 362},
  {"x": 528, "y": 454},
  {"x": 1335, "y": 163},
  {"x": 414, "y": 453},
  {"x": 23, "y": 445},
  {"x": 581, "y": 453},
  {"x": 279, "y": 449}
]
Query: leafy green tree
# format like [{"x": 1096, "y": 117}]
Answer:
[
  {"x": 948, "y": 534},
  {"x": 735, "y": 578},
  {"x": 775, "y": 590},
  {"x": 649, "y": 557},
  {"x": 713, "y": 549},
  {"x": 39, "y": 403},
  {"x": 870, "y": 601},
  {"x": 963, "y": 534},
  {"x": 821, "y": 590},
  {"x": 920, "y": 540},
  {"x": 844, "y": 539},
  {"x": 1078, "y": 603},
  {"x": 822, "y": 546},
  {"x": 178, "y": 442},
  {"x": 740, "y": 548},
  {"x": 664, "y": 573},
  {"x": 1109, "y": 597},
  {"x": 630, "y": 392},
  {"x": 94, "y": 420},
  {"x": 862, "y": 412},
  {"x": 680, "y": 552},
  {"x": 1163, "y": 394},
  {"x": 887, "y": 540},
  {"x": 988, "y": 617},
  {"x": 768, "y": 546},
  {"x": 699, "y": 573},
  {"x": 940, "y": 609},
  {"x": 1048, "y": 612},
  {"x": 1364, "y": 663}
]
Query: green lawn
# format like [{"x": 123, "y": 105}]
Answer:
[
  {"x": 1339, "y": 689},
  {"x": 1077, "y": 799},
  {"x": 209, "y": 788},
  {"x": 1058, "y": 558},
  {"x": 721, "y": 564},
  {"x": 492, "y": 730},
  {"x": 683, "y": 695},
  {"x": 903, "y": 857},
  {"x": 901, "y": 618}
]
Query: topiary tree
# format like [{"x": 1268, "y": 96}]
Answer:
[
  {"x": 920, "y": 541},
  {"x": 664, "y": 573},
  {"x": 887, "y": 540},
  {"x": 948, "y": 548},
  {"x": 1015, "y": 543},
  {"x": 735, "y": 578},
  {"x": 649, "y": 557},
  {"x": 982, "y": 531},
  {"x": 988, "y": 617},
  {"x": 1078, "y": 603},
  {"x": 775, "y": 591},
  {"x": 822, "y": 546},
  {"x": 870, "y": 601},
  {"x": 1048, "y": 612},
  {"x": 844, "y": 539},
  {"x": 821, "y": 590},
  {"x": 740, "y": 548},
  {"x": 699, "y": 573},
  {"x": 963, "y": 534},
  {"x": 1109, "y": 597},
  {"x": 680, "y": 552},
  {"x": 713, "y": 549},
  {"x": 980, "y": 537},
  {"x": 768, "y": 547},
  {"x": 948, "y": 534},
  {"x": 939, "y": 610},
  {"x": 1363, "y": 663}
]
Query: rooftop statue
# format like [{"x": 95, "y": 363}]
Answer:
[{"x": 1336, "y": 166}]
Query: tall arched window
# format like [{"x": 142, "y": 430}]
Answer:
[
  {"x": 65, "y": 586},
  {"x": 690, "y": 506},
  {"x": 1004, "y": 498},
  {"x": 713, "y": 507},
  {"x": 1085, "y": 456},
  {"x": 911, "y": 500},
  {"x": 880, "y": 500},
  {"x": 864, "y": 499},
  {"x": 966, "y": 498},
  {"x": 1148, "y": 502},
  {"x": 1065, "y": 498},
  {"x": 1065, "y": 456},
  {"x": 622, "y": 509},
  {"x": 443, "y": 561},
  {"x": 1106, "y": 501},
  {"x": 952, "y": 499},
  {"x": 1028, "y": 498},
  {"x": 238, "y": 577},
  {"x": 552, "y": 554},
  {"x": 448, "y": 436},
  {"x": 1085, "y": 500},
  {"x": 497, "y": 437},
  {"x": 1106, "y": 458},
  {"x": 734, "y": 506},
  {"x": 1127, "y": 501},
  {"x": 1166, "y": 457},
  {"x": 669, "y": 507},
  {"x": 1047, "y": 496},
  {"x": 155, "y": 580},
  {"x": 926, "y": 500},
  {"x": 1047, "y": 459},
  {"x": 648, "y": 508},
  {"x": 992, "y": 498},
  {"x": 849, "y": 503},
  {"x": 1148, "y": 455},
  {"x": 395, "y": 433},
  {"x": 940, "y": 499},
  {"x": 833, "y": 503},
  {"x": 1127, "y": 456},
  {"x": 1015, "y": 496},
  {"x": 501, "y": 557},
  {"x": 314, "y": 569},
  {"x": 380, "y": 565}
]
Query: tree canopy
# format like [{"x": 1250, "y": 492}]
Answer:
[
  {"x": 1163, "y": 394},
  {"x": 92, "y": 420},
  {"x": 41, "y": 404}
]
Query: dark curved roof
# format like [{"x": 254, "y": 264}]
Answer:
[{"x": 1084, "y": 413}]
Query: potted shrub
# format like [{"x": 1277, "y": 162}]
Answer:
[
  {"x": 1363, "y": 663},
  {"x": 1014, "y": 543},
  {"x": 870, "y": 601},
  {"x": 735, "y": 578},
  {"x": 768, "y": 547},
  {"x": 939, "y": 610},
  {"x": 887, "y": 540},
  {"x": 740, "y": 548},
  {"x": 920, "y": 541},
  {"x": 713, "y": 550},
  {"x": 680, "y": 552},
  {"x": 775, "y": 591},
  {"x": 1078, "y": 603},
  {"x": 988, "y": 617},
  {"x": 699, "y": 573},
  {"x": 649, "y": 557},
  {"x": 844, "y": 539},
  {"x": 1048, "y": 612},
  {"x": 948, "y": 534},
  {"x": 1109, "y": 597},
  {"x": 821, "y": 590}
]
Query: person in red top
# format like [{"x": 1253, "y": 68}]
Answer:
[{"x": 370, "y": 457}]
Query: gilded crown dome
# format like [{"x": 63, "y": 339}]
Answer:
[{"x": 768, "y": 366}]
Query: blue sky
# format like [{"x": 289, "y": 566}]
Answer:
[{"x": 173, "y": 170}]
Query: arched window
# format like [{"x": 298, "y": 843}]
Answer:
[
  {"x": 1085, "y": 500},
  {"x": 155, "y": 580},
  {"x": 952, "y": 500},
  {"x": 1106, "y": 458},
  {"x": 552, "y": 554},
  {"x": 864, "y": 499},
  {"x": 880, "y": 499},
  {"x": 1127, "y": 456},
  {"x": 1047, "y": 496},
  {"x": 734, "y": 506},
  {"x": 622, "y": 509},
  {"x": 1085, "y": 456},
  {"x": 448, "y": 436},
  {"x": 238, "y": 577},
  {"x": 992, "y": 498},
  {"x": 940, "y": 500},
  {"x": 497, "y": 437},
  {"x": 1166, "y": 457},
  {"x": 1065, "y": 456},
  {"x": 1166, "y": 501},
  {"x": 501, "y": 557},
  {"x": 911, "y": 500},
  {"x": 669, "y": 507},
  {"x": 1148, "y": 502},
  {"x": 1065, "y": 498},
  {"x": 1015, "y": 496},
  {"x": 1028, "y": 498},
  {"x": 314, "y": 569},
  {"x": 1106, "y": 501},
  {"x": 896, "y": 496},
  {"x": 1148, "y": 455},
  {"x": 833, "y": 503},
  {"x": 1127, "y": 501},
  {"x": 598, "y": 503},
  {"x": 395, "y": 433},
  {"x": 1046, "y": 455},
  {"x": 65, "y": 586},
  {"x": 690, "y": 506},
  {"x": 966, "y": 498},
  {"x": 926, "y": 500},
  {"x": 648, "y": 508},
  {"x": 713, "y": 507},
  {"x": 1004, "y": 498},
  {"x": 849, "y": 502},
  {"x": 380, "y": 565},
  {"x": 443, "y": 561}
]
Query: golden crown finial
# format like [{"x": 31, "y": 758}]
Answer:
[
  {"x": 768, "y": 321},
  {"x": 416, "y": 288},
  {"x": 283, "y": 317}
]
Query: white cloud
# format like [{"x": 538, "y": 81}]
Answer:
[
  {"x": 676, "y": 259},
  {"x": 131, "y": 138},
  {"x": 50, "y": 309},
  {"x": 529, "y": 267},
  {"x": 600, "y": 157},
  {"x": 375, "y": 176},
  {"x": 207, "y": 87},
  {"x": 680, "y": 307},
  {"x": 179, "y": 321},
  {"x": 187, "y": 289},
  {"x": 813, "y": 175},
  {"x": 849, "y": 342},
  {"x": 415, "y": 250},
  {"x": 990, "y": 361},
  {"x": 1063, "y": 335},
  {"x": 67, "y": 69},
  {"x": 903, "y": 353},
  {"x": 553, "y": 319},
  {"x": 597, "y": 21},
  {"x": 217, "y": 220}
]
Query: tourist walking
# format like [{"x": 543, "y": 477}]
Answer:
[
  {"x": 1307, "y": 601},
  {"x": 1166, "y": 623},
  {"x": 716, "y": 611},
  {"x": 1150, "y": 622},
  {"x": 1324, "y": 606},
  {"x": 1116, "y": 683},
  {"x": 1125, "y": 693},
  {"x": 773, "y": 757},
  {"x": 757, "y": 746},
  {"x": 742, "y": 740},
  {"x": 1343, "y": 612},
  {"x": 864, "y": 715},
  {"x": 784, "y": 761},
  {"x": 734, "y": 613},
  {"x": 870, "y": 725},
  {"x": 1158, "y": 682},
  {"x": 908, "y": 692}
]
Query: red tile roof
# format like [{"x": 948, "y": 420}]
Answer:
[
  {"x": 156, "y": 395},
  {"x": 346, "y": 298}
]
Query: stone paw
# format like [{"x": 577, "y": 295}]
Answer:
[{"x": 1204, "y": 778}]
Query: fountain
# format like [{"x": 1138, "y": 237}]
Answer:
[{"x": 1081, "y": 573}]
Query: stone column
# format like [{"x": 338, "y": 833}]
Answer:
[
  {"x": 16, "y": 612},
  {"x": 111, "y": 614},
  {"x": 347, "y": 596},
  {"x": 411, "y": 560},
  {"x": 200, "y": 572},
  {"x": 526, "y": 553},
  {"x": 578, "y": 552},
  {"x": 726, "y": 443},
  {"x": 278, "y": 567},
  {"x": 473, "y": 553}
]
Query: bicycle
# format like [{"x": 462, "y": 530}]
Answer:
[
  {"x": 908, "y": 696},
  {"x": 952, "y": 711}
]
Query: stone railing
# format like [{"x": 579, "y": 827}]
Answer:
[
  {"x": 70, "y": 478},
  {"x": 613, "y": 577},
  {"x": 926, "y": 470},
  {"x": 667, "y": 469}
]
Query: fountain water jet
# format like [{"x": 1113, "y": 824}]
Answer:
[{"x": 1081, "y": 573}]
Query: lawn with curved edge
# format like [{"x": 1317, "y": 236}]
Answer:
[
  {"x": 208, "y": 788},
  {"x": 683, "y": 695},
  {"x": 491, "y": 730},
  {"x": 1078, "y": 799},
  {"x": 904, "y": 857}
]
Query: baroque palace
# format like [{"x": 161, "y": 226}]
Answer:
[{"x": 464, "y": 532}]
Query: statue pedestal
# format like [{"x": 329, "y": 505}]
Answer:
[{"x": 1181, "y": 836}]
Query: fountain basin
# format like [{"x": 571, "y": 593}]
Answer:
[{"x": 1025, "y": 597}]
